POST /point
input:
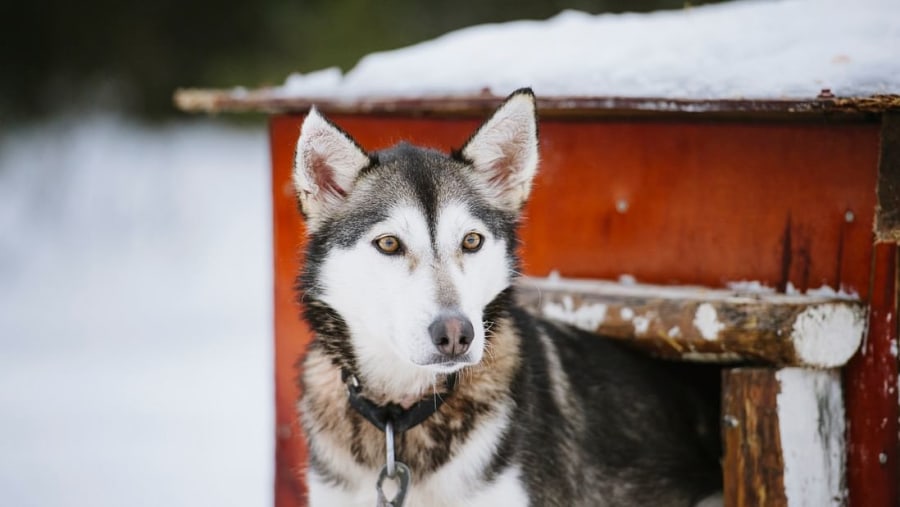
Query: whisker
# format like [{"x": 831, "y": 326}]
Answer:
[
  {"x": 463, "y": 373},
  {"x": 434, "y": 393},
  {"x": 489, "y": 350}
]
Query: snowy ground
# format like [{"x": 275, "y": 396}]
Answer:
[{"x": 135, "y": 334}]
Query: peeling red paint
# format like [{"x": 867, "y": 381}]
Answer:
[{"x": 872, "y": 471}]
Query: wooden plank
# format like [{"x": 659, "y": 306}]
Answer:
[
  {"x": 704, "y": 203},
  {"x": 871, "y": 377},
  {"x": 887, "y": 213},
  {"x": 783, "y": 433},
  {"x": 812, "y": 427},
  {"x": 753, "y": 465},
  {"x": 699, "y": 324},
  {"x": 270, "y": 100},
  {"x": 291, "y": 334}
]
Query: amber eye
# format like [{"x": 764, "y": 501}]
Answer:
[
  {"x": 472, "y": 242},
  {"x": 388, "y": 244}
]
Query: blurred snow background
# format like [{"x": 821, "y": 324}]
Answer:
[{"x": 135, "y": 322}]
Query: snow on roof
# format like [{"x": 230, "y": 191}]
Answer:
[{"x": 738, "y": 50}]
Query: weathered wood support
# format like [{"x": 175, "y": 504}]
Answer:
[
  {"x": 783, "y": 433},
  {"x": 699, "y": 324},
  {"x": 887, "y": 209},
  {"x": 871, "y": 379},
  {"x": 753, "y": 463}
]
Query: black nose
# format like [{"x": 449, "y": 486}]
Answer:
[{"x": 451, "y": 334}]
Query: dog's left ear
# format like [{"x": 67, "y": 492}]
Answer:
[{"x": 504, "y": 150}]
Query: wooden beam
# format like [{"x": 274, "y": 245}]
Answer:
[
  {"x": 753, "y": 464},
  {"x": 273, "y": 100},
  {"x": 697, "y": 324},
  {"x": 783, "y": 433},
  {"x": 873, "y": 476},
  {"x": 887, "y": 211}
]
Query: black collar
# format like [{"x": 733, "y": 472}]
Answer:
[{"x": 401, "y": 418}]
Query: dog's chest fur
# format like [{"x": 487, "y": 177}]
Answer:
[
  {"x": 551, "y": 417},
  {"x": 461, "y": 440}
]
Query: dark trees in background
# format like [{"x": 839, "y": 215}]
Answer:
[{"x": 129, "y": 54}]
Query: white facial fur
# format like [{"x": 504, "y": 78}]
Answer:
[{"x": 388, "y": 301}]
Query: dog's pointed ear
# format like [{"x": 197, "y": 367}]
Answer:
[
  {"x": 504, "y": 150},
  {"x": 326, "y": 164}
]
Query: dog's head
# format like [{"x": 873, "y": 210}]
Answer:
[{"x": 409, "y": 247}]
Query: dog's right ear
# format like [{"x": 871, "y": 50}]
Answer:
[{"x": 326, "y": 164}]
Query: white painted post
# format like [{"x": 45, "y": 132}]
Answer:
[{"x": 811, "y": 425}]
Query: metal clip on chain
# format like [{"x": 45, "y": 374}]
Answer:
[{"x": 394, "y": 470}]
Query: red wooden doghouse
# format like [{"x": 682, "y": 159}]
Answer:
[{"x": 795, "y": 195}]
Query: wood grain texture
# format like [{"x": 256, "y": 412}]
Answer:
[
  {"x": 753, "y": 464},
  {"x": 873, "y": 472},
  {"x": 698, "y": 324},
  {"x": 271, "y": 101}
]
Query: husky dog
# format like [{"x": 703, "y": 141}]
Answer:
[{"x": 408, "y": 286}]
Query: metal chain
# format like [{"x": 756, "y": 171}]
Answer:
[
  {"x": 394, "y": 470},
  {"x": 402, "y": 479},
  {"x": 389, "y": 442}
]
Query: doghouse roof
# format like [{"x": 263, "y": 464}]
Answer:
[{"x": 805, "y": 56}]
